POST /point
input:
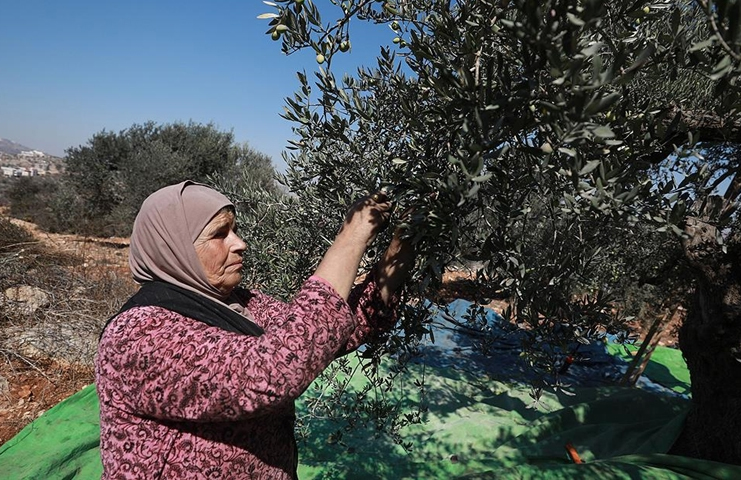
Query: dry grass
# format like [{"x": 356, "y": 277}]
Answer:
[{"x": 47, "y": 350}]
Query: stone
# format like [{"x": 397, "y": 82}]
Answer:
[
  {"x": 26, "y": 299},
  {"x": 74, "y": 342}
]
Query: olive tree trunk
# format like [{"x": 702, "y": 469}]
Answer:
[{"x": 710, "y": 339}]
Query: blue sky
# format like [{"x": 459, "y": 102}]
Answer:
[{"x": 69, "y": 69}]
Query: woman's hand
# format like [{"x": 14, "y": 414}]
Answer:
[
  {"x": 365, "y": 219},
  {"x": 394, "y": 267}
]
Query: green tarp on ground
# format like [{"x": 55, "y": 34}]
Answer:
[
  {"x": 63, "y": 443},
  {"x": 667, "y": 366},
  {"x": 480, "y": 428},
  {"x": 474, "y": 427}
]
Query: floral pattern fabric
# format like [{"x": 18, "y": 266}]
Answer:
[{"x": 181, "y": 399}]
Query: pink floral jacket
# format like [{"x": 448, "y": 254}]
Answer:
[{"x": 181, "y": 399}]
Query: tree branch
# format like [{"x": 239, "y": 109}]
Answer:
[
  {"x": 714, "y": 26},
  {"x": 705, "y": 125}
]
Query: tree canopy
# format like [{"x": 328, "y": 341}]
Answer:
[
  {"x": 107, "y": 179},
  {"x": 532, "y": 137}
]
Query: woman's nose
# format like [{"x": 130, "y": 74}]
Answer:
[{"x": 238, "y": 244}]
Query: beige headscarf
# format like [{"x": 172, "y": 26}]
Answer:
[{"x": 168, "y": 223}]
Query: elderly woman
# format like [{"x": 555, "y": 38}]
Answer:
[{"x": 196, "y": 377}]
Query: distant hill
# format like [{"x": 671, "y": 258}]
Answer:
[{"x": 12, "y": 148}]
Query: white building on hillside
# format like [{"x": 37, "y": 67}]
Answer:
[
  {"x": 32, "y": 153},
  {"x": 19, "y": 172}
]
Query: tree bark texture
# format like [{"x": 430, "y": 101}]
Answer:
[{"x": 710, "y": 339}]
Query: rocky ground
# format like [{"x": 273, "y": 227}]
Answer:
[{"x": 48, "y": 335}]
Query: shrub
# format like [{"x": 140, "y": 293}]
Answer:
[{"x": 12, "y": 236}]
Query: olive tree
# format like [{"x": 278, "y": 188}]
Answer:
[
  {"x": 514, "y": 132},
  {"x": 114, "y": 172}
]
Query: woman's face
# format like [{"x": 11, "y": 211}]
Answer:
[{"x": 220, "y": 250}]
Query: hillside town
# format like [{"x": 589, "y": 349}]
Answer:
[{"x": 29, "y": 163}]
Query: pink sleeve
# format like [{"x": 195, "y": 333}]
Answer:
[
  {"x": 157, "y": 363},
  {"x": 373, "y": 315}
]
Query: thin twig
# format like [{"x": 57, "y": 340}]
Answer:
[
  {"x": 711, "y": 18},
  {"x": 8, "y": 353},
  {"x": 21, "y": 244}
]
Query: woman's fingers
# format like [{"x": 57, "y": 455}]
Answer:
[
  {"x": 384, "y": 205},
  {"x": 369, "y": 215}
]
